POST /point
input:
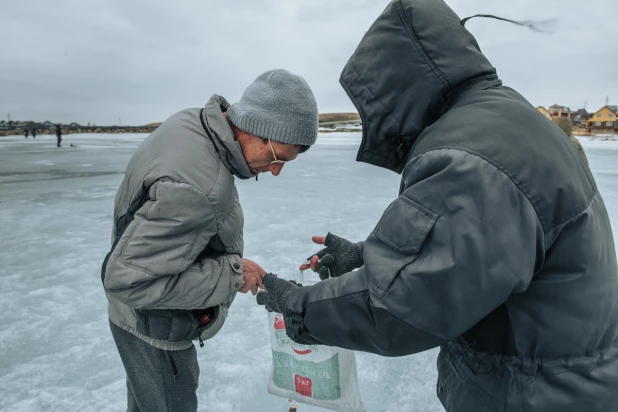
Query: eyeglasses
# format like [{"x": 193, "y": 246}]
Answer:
[{"x": 276, "y": 161}]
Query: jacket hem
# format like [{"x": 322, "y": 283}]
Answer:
[{"x": 159, "y": 344}]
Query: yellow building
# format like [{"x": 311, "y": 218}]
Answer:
[
  {"x": 603, "y": 121},
  {"x": 544, "y": 111}
]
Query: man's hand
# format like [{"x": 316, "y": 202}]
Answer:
[
  {"x": 338, "y": 257},
  {"x": 252, "y": 276},
  {"x": 277, "y": 291}
]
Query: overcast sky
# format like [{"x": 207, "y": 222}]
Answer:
[{"x": 98, "y": 60}]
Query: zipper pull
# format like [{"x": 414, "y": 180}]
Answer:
[{"x": 201, "y": 341}]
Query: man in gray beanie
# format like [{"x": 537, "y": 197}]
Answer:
[
  {"x": 177, "y": 242},
  {"x": 278, "y": 106}
]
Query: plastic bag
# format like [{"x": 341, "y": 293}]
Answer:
[{"x": 313, "y": 374}]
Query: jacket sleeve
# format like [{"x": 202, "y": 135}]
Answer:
[
  {"x": 459, "y": 240},
  {"x": 155, "y": 263}
]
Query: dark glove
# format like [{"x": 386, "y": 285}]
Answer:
[
  {"x": 338, "y": 257},
  {"x": 277, "y": 291}
]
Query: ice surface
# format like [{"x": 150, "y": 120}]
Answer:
[{"x": 56, "y": 208}]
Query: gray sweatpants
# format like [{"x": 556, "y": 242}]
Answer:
[{"x": 157, "y": 380}]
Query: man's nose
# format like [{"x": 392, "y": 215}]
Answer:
[{"x": 275, "y": 168}]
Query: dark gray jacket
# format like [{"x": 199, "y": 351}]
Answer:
[{"x": 499, "y": 248}]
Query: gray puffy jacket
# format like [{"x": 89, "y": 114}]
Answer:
[
  {"x": 177, "y": 237},
  {"x": 499, "y": 248}
]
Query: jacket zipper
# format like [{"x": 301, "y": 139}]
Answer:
[{"x": 199, "y": 337}]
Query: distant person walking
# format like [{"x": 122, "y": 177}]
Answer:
[
  {"x": 59, "y": 134},
  {"x": 26, "y": 134},
  {"x": 33, "y": 131}
]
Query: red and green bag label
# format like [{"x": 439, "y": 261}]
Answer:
[
  {"x": 303, "y": 385},
  {"x": 316, "y": 377}
]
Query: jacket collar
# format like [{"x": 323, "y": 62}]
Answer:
[{"x": 227, "y": 147}]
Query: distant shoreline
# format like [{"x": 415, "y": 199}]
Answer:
[
  {"x": 81, "y": 130},
  {"x": 6, "y": 133},
  {"x": 335, "y": 121},
  {"x": 591, "y": 137},
  {"x": 328, "y": 123},
  {"x": 331, "y": 125}
]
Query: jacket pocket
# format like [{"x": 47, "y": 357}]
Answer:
[
  {"x": 168, "y": 324},
  {"x": 396, "y": 241},
  {"x": 457, "y": 390},
  {"x": 211, "y": 328},
  {"x": 179, "y": 325},
  {"x": 404, "y": 225}
]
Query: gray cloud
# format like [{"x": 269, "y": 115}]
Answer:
[{"x": 95, "y": 61}]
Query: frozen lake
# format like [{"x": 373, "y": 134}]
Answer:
[{"x": 56, "y": 209}]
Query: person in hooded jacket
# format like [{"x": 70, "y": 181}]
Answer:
[
  {"x": 176, "y": 261},
  {"x": 499, "y": 248}
]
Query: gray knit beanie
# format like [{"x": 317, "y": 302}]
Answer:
[{"x": 279, "y": 106}]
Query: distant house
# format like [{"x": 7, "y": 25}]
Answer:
[
  {"x": 544, "y": 111},
  {"x": 11, "y": 124},
  {"x": 18, "y": 124},
  {"x": 557, "y": 111},
  {"x": 580, "y": 116},
  {"x": 4, "y": 125},
  {"x": 603, "y": 121}
]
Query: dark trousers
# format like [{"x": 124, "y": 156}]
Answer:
[{"x": 157, "y": 380}]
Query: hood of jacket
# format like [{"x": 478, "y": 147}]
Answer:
[{"x": 412, "y": 62}]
